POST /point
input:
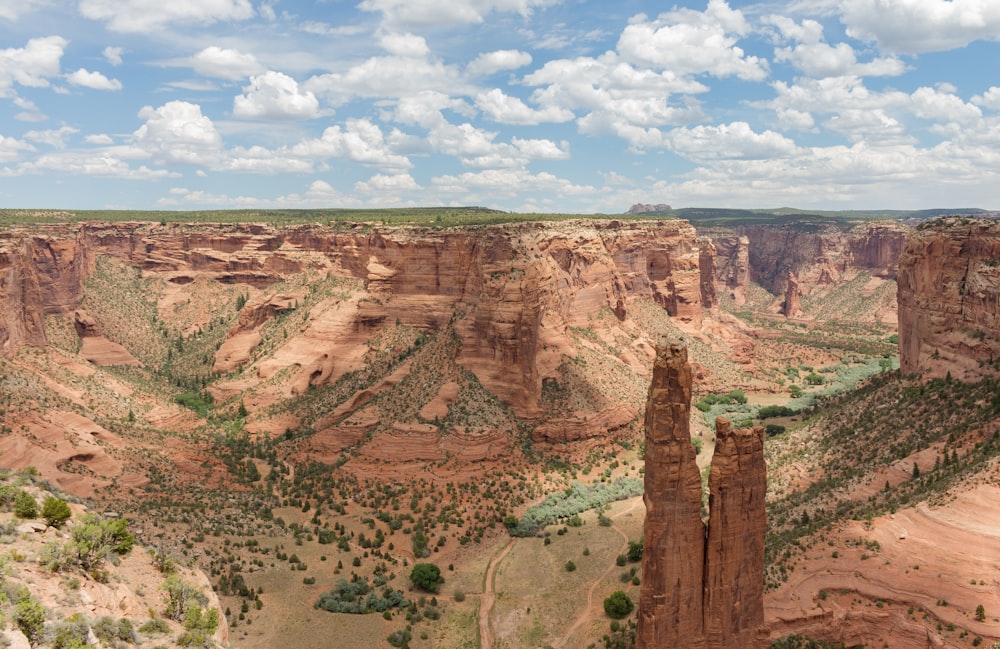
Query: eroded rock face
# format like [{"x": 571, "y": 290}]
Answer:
[
  {"x": 818, "y": 254},
  {"x": 949, "y": 298},
  {"x": 700, "y": 590},
  {"x": 510, "y": 292},
  {"x": 793, "y": 303},
  {"x": 734, "y": 555}
]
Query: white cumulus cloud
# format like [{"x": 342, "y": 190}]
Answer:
[
  {"x": 914, "y": 26},
  {"x": 434, "y": 13},
  {"x": 93, "y": 80},
  {"x": 225, "y": 63},
  {"x": 31, "y": 65},
  {"x": 408, "y": 45},
  {"x": 361, "y": 141},
  {"x": 150, "y": 15},
  {"x": 506, "y": 109},
  {"x": 813, "y": 56},
  {"x": 691, "y": 42},
  {"x": 489, "y": 63},
  {"x": 275, "y": 95},
  {"x": 113, "y": 55},
  {"x": 177, "y": 132}
]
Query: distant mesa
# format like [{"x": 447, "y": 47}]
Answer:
[{"x": 646, "y": 208}]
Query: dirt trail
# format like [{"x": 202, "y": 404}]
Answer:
[
  {"x": 587, "y": 614},
  {"x": 488, "y": 597}
]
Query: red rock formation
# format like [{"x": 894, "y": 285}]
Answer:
[
  {"x": 793, "y": 304},
  {"x": 671, "y": 600},
  {"x": 699, "y": 592},
  {"x": 511, "y": 292},
  {"x": 819, "y": 253},
  {"x": 949, "y": 298},
  {"x": 734, "y": 554},
  {"x": 706, "y": 263},
  {"x": 95, "y": 347}
]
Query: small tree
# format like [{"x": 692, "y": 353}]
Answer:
[
  {"x": 55, "y": 511},
  {"x": 980, "y": 613},
  {"x": 618, "y": 604},
  {"x": 426, "y": 577},
  {"x": 25, "y": 505},
  {"x": 635, "y": 550}
]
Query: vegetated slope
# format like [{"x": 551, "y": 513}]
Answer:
[
  {"x": 881, "y": 511},
  {"x": 70, "y": 578}
]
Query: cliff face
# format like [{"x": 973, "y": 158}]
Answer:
[
  {"x": 818, "y": 254},
  {"x": 949, "y": 298},
  {"x": 700, "y": 590},
  {"x": 511, "y": 292},
  {"x": 793, "y": 304}
]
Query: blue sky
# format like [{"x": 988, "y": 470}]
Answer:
[{"x": 524, "y": 105}]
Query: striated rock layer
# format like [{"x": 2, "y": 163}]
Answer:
[
  {"x": 700, "y": 590},
  {"x": 511, "y": 292},
  {"x": 949, "y": 298}
]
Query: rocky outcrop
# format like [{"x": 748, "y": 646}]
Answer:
[
  {"x": 95, "y": 347},
  {"x": 793, "y": 304},
  {"x": 699, "y": 591},
  {"x": 949, "y": 299},
  {"x": 646, "y": 208}
]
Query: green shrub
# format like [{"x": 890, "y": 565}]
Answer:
[
  {"x": 426, "y": 577},
  {"x": 358, "y": 597},
  {"x": 30, "y": 619},
  {"x": 570, "y": 566},
  {"x": 55, "y": 511},
  {"x": 635, "y": 551},
  {"x": 618, "y": 604},
  {"x": 25, "y": 505}
]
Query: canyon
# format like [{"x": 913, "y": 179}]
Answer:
[{"x": 315, "y": 373}]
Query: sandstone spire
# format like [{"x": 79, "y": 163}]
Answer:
[
  {"x": 671, "y": 599},
  {"x": 701, "y": 589},
  {"x": 793, "y": 304}
]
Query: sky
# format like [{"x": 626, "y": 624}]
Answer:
[{"x": 572, "y": 106}]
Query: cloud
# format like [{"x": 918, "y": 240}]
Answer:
[
  {"x": 13, "y": 9},
  {"x": 688, "y": 42},
  {"x": 511, "y": 110},
  {"x": 32, "y": 65},
  {"x": 388, "y": 77},
  {"x": 915, "y": 26},
  {"x": 53, "y": 137},
  {"x": 224, "y": 63},
  {"x": 434, "y": 13},
  {"x": 361, "y": 141},
  {"x": 113, "y": 55},
  {"x": 734, "y": 141},
  {"x": 98, "y": 138},
  {"x": 11, "y": 148},
  {"x": 989, "y": 99},
  {"x": 381, "y": 185},
  {"x": 274, "y": 95},
  {"x": 93, "y": 80},
  {"x": 407, "y": 45},
  {"x": 151, "y": 15},
  {"x": 506, "y": 183},
  {"x": 617, "y": 97},
  {"x": 178, "y": 133},
  {"x": 489, "y": 63},
  {"x": 474, "y": 147},
  {"x": 816, "y": 58}
]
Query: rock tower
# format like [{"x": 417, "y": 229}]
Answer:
[{"x": 702, "y": 588}]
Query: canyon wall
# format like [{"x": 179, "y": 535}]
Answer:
[
  {"x": 511, "y": 292},
  {"x": 701, "y": 589},
  {"x": 817, "y": 253},
  {"x": 949, "y": 298}
]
